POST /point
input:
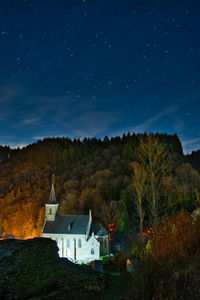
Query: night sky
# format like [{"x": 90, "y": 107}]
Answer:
[{"x": 90, "y": 68}]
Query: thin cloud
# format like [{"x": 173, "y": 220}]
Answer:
[
  {"x": 40, "y": 137},
  {"x": 16, "y": 145},
  {"x": 30, "y": 121},
  {"x": 75, "y": 119},
  {"x": 93, "y": 123},
  {"x": 9, "y": 92},
  {"x": 191, "y": 142},
  {"x": 148, "y": 123},
  {"x": 178, "y": 126}
]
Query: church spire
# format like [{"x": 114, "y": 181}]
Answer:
[
  {"x": 52, "y": 205},
  {"x": 52, "y": 197}
]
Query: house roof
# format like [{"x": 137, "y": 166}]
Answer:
[
  {"x": 98, "y": 230},
  {"x": 69, "y": 224}
]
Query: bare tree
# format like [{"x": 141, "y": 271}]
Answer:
[
  {"x": 156, "y": 161},
  {"x": 108, "y": 214},
  {"x": 139, "y": 185}
]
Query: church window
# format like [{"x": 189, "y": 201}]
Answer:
[
  {"x": 68, "y": 243},
  {"x": 92, "y": 251},
  {"x": 79, "y": 243},
  {"x": 50, "y": 212}
]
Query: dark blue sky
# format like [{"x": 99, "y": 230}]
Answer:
[{"x": 81, "y": 68}]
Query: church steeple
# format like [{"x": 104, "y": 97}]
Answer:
[
  {"x": 52, "y": 205},
  {"x": 52, "y": 197}
]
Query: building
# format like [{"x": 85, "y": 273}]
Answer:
[{"x": 78, "y": 239}]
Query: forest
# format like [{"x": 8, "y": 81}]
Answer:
[
  {"x": 135, "y": 179},
  {"x": 141, "y": 187}
]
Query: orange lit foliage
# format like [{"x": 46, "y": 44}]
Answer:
[
  {"x": 21, "y": 201},
  {"x": 22, "y": 223},
  {"x": 176, "y": 239}
]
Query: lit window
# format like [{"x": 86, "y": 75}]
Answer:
[
  {"x": 79, "y": 243},
  {"x": 68, "y": 243},
  {"x": 92, "y": 251}
]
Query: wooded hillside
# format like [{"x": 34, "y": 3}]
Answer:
[{"x": 88, "y": 174}]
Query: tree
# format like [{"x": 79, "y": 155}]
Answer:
[
  {"x": 177, "y": 237},
  {"x": 155, "y": 159},
  {"x": 139, "y": 185},
  {"x": 122, "y": 217},
  {"x": 108, "y": 214}
]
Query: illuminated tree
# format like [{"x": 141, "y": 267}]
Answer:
[
  {"x": 108, "y": 214},
  {"x": 155, "y": 159},
  {"x": 176, "y": 238}
]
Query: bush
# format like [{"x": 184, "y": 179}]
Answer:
[
  {"x": 170, "y": 268},
  {"x": 176, "y": 239}
]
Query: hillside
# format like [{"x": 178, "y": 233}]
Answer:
[{"x": 88, "y": 173}]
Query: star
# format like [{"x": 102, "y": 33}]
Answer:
[{"x": 63, "y": 56}]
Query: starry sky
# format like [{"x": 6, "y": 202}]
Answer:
[{"x": 85, "y": 68}]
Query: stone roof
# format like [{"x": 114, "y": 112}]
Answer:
[{"x": 69, "y": 224}]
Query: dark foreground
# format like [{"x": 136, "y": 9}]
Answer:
[{"x": 31, "y": 269}]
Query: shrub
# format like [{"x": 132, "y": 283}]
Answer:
[
  {"x": 170, "y": 268},
  {"x": 176, "y": 238}
]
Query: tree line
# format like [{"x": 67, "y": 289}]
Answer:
[{"x": 143, "y": 177}]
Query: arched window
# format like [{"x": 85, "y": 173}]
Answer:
[
  {"x": 50, "y": 212},
  {"x": 92, "y": 251},
  {"x": 79, "y": 243}
]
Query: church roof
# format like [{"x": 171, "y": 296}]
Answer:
[
  {"x": 52, "y": 197},
  {"x": 69, "y": 224}
]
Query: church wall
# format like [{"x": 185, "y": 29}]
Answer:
[
  {"x": 51, "y": 210},
  {"x": 89, "y": 249},
  {"x": 68, "y": 245}
]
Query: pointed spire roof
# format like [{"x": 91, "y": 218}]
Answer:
[{"x": 52, "y": 197}]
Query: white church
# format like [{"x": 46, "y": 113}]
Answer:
[{"x": 77, "y": 238}]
